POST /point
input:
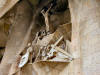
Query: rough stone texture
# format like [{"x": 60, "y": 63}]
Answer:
[
  {"x": 6, "y": 5},
  {"x": 5, "y": 25},
  {"x": 18, "y": 33},
  {"x": 86, "y": 31},
  {"x": 85, "y": 16}
]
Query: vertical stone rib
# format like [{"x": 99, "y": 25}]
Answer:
[{"x": 86, "y": 25}]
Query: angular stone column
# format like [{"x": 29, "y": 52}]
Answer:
[
  {"x": 85, "y": 15},
  {"x": 18, "y": 33}
]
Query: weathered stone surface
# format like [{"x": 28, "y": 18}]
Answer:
[
  {"x": 85, "y": 36},
  {"x": 6, "y": 5},
  {"x": 16, "y": 38}
]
